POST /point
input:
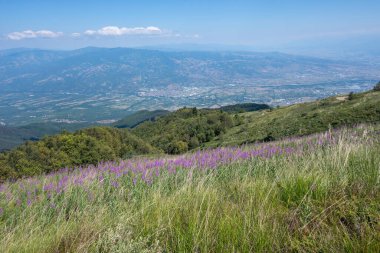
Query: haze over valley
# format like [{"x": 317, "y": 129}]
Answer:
[{"x": 101, "y": 85}]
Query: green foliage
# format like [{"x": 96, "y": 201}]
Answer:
[
  {"x": 138, "y": 117},
  {"x": 87, "y": 146},
  {"x": 11, "y": 137},
  {"x": 377, "y": 87},
  {"x": 186, "y": 128},
  {"x": 177, "y": 147},
  {"x": 351, "y": 96},
  {"x": 303, "y": 119},
  {"x": 244, "y": 107}
]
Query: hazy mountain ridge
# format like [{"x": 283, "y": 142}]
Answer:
[{"x": 120, "y": 68}]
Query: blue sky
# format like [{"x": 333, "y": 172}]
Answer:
[{"x": 272, "y": 24}]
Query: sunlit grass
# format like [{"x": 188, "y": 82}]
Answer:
[{"x": 318, "y": 193}]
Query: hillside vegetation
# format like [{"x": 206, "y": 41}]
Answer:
[
  {"x": 318, "y": 193},
  {"x": 138, "y": 117},
  {"x": 185, "y": 129},
  {"x": 302, "y": 119},
  {"x": 87, "y": 146},
  {"x": 11, "y": 136},
  {"x": 245, "y": 107},
  {"x": 173, "y": 134},
  {"x": 188, "y": 129}
]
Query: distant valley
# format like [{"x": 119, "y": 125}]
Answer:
[{"x": 101, "y": 85}]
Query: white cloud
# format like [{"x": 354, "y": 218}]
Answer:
[
  {"x": 118, "y": 31},
  {"x": 90, "y": 32},
  {"x": 29, "y": 34},
  {"x": 75, "y": 35}
]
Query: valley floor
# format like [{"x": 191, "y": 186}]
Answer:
[{"x": 318, "y": 193}]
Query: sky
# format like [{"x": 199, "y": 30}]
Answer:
[{"x": 271, "y": 24}]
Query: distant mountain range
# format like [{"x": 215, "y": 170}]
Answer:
[{"x": 103, "y": 84}]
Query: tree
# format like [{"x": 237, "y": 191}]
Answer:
[
  {"x": 377, "y": 87},
  {"x": 178, "y": 147},
  {"x": 268, "y": 138},
  {"x": 194, "y": 142},
  {"x": 195, "y": 111},
  {"x": 351, "y": 96}
]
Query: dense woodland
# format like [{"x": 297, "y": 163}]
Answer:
[
  {"x": 185, "y": 129},
  {"x": 87, "y": 146}
]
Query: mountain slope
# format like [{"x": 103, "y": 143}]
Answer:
[
  {"x": 302, "y": 119},
  {"x": 11, "y": 137},
  {"x": 188, "y": 129},
  {"x": 244, "y": 107},
  {"x": 184, "y": 129},
  {"x": 138, "y": 117},
  {"x": 317, "y": 193},
  {"x": 86, "y": 146}
]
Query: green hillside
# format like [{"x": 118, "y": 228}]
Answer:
[
  {"x": 87, "y": 146},
  {"x": 185, "y": 129},
  {"x": 188, "y": 129},
  {"x": 11, "y": 137},
  {"x": 245, "y": 107},
  {"x": 318, "y": 193},
  {"x": 139, "y": 117},
  {"x": 302, "y": 119},
  {"x": 315, "y": 193}
]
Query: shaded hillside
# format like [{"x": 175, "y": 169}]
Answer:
[
  {"x": 245, "y": 107},
  {"x": 139, "y": 117},
  {"x": 305, "y": 118},
  {"x": 11, "y": 137}
]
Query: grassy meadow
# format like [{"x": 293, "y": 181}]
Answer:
[
  {"x": 304, "y": 118},
  {"x": 318, "y": 193}
]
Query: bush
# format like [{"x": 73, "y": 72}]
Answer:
[
  {"x": 351, "y": 96},
  {"x": 377, "y": 87},
  {"x": 178, "y": 147}
]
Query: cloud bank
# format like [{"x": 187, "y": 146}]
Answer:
[
  {"x": 29, "y": 34},
  {"x": 119, "y": 31},
  {"x": 102, "y": 32}
]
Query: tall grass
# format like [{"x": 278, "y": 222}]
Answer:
[{"x": 320, "y": 196}]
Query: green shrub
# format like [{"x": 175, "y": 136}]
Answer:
[{"x": 377, "y": 87}]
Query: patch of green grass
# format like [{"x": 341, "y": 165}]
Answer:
[{"x": 303, "y": 119}]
